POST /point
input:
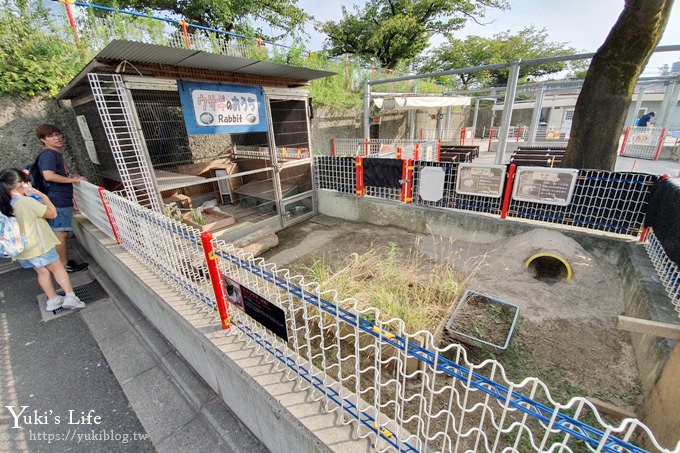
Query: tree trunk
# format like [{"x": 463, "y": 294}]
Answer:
[{"x": 608, "y": 87}]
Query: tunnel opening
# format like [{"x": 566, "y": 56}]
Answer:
[{"x": 549, "y": 268}]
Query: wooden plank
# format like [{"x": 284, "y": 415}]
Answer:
[
  {"x": 659, "y": 329},
  {"x": 609, "y": 409}
]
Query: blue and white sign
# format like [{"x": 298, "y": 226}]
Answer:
[{"x": 216, "y": 108}]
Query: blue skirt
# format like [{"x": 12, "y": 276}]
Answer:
[{"x": 40, "y": 261}]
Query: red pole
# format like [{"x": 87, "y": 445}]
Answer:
[
  {"x": 508, "y": 191},
  {"x": 71, "y": 21},
  {"x": 490, "y": 139},
  {"x": 366, "y": 147},
  {"x": 409, "y": 177},
  {"x": 519, "y": 132},
  {"x": 333, "y": 147},
  {"x": 625, "y": 139},
  {"x": 439, "y": 150},
  {"x": 404, "y": 180},
  {"x": 359, "y": 162},
  {"x": 114, "y": 228},
  {"x": 216, "y": 279},
  {"x": 421, "y": 133},
  {"x": 461, "y": 136},
  {"x": 185, "y": 32},
  {"x": 399, "y": 153},
  {"x": 661, "y": 140},
  {"x": 416, "y": 152}
]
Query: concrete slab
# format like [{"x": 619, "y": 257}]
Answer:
[{"x": 161, "y": 409}]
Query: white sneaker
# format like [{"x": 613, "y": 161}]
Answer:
[
  {"x": 54, "y": 304},
  {"x": 72, "y": 302}
]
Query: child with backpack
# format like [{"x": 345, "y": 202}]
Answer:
[{"x": 39, "y": 250}]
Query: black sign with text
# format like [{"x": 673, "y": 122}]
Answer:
[{"x": 265, "y": 312}]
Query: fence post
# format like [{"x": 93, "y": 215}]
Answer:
[
  {"x": 508, "y": 191},
  {"x": 625, "y": 139},
  {"x": 71, "y": 21},
  {"x": 409, "y": 178},
  {"x": 416, "y": 152},
  {"x": 366, "y": 145},
  {"x": 359, "y": 162},
  {"x": 519, "y": 132},
  {"x": 461, "y": 137},
  {"x": 439, "y": 150},
  {"x": 216, "y": 279},
  {"x": 185, "y": 32},
  {"x": 661, "y": 140},
  {"x": 490, "y": 139},
  {"x": 333, "y": 147},
  {"x": 404, "y": 180},
  {"x": 399, "y": 153},
  {"x": 114, "y": 228}
]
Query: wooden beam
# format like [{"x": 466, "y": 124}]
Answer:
[
  {"x": 659, "y": 329},
  {"x": 609, "y": 409}
]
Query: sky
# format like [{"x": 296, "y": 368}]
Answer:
[{"x": 582, "y": 24}]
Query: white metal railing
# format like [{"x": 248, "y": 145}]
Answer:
[
  {"x": 394, "y": 386},
  {"x": 262, "y": 152},
  {"x": 383, "y": 148},
  {"x": 668, "y": 271},
  {"x": 642, "y": 142}
]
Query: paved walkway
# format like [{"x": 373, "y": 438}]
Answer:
[{"x": 100, "y": 379}]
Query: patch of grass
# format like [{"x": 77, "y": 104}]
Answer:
[{"x": 400, "y": 284}]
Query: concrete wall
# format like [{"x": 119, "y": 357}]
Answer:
[
  {"x": 284, "y": 417},
  {"x": 19, "y": 118}
]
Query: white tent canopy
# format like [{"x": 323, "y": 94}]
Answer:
[{"x": 420, "y": 102}]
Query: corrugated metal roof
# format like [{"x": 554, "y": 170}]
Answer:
[{"x": 136, "y": 52}]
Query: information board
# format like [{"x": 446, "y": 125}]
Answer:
[
  {"x": 484, "y": 180},
  {"x": 257, "y": 307},
  {"x": 544, "y": 185}
]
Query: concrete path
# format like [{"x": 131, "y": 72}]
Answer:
[{"x": 100, "y": 379}]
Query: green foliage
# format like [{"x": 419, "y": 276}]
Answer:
[
  {"x": 394, "y": 31},
  {"x": 528, "y": 43},
  {"x": 227, "y": 15},
  {"x": 35, "y": 56}
]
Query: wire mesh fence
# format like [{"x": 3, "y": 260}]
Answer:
[
  {"x": 396, "y": 387},
  {"x": 668, "y": 270},
  {"x": 642, "y": 142}
]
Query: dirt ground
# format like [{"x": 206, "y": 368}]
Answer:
[{"x": 565, "y": 334}]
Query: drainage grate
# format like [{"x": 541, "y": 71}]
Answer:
[{"x": 90, "y": 292}]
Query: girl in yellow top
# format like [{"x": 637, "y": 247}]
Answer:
[{"x": 39, "y": 252}]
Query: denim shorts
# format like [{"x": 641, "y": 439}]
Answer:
[
  {"x": 40, "y": 261},
  {"x": 63, "y": 220}
]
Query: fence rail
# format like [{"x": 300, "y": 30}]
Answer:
[{"x": 396, "y": 387}]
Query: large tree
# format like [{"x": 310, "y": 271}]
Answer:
[
  {"x": 526, "y": 44},
  {"x": 227, "y": 15},
  {"x": 395, "y": 31},
  {"x": 608, "y": 87}
]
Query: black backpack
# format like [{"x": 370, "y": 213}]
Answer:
[{"x": 37, "y": 180}]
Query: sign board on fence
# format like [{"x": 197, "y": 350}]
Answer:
[
  {"x": 217, "y": 108},
  {"x": 484, "y": 180},
  {"x": 544, "y": 185},
  {"x": 257, "y": 307},
  {"x": 431, "y": 183}
]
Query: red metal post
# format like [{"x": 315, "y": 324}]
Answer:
[
  {"x": 625, "y": 139},
  {"x": 461, "y": 136},
  {"x": 416, "y": 152},
  {"x": 216, "y": 279},
  {"x": 490, "y": 139},
  {"x": 421, "y": 133},
  {"x": 114, "y": 228},
  {"x": 333, "y": 147},
  {"x": 71, "y": 21},
  {"x": 185, "y": 32},
  {"x": 366, "y": 146},
  {"x": 661, "y": 140},
  {"x": 519, "y": 132},
  {"x": 439, "y": 150},
  {"x": 399, "y": 153},
  {"x": 359, "y": 162},
  {"x": 404, "y": 180},
  {"x": 508, "y": 191},
  {"x": 409, "y": 178}
]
